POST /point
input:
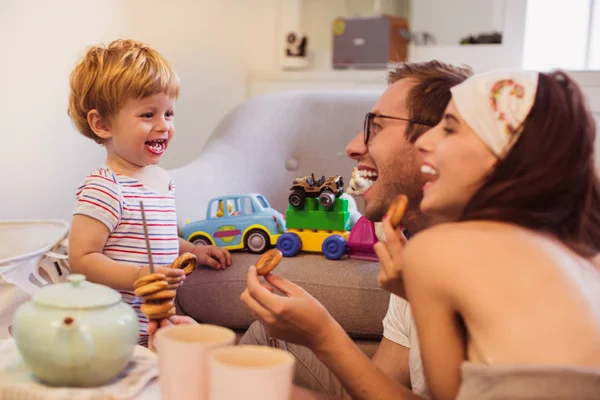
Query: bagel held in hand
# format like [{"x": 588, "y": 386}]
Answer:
[
  {"x": 397, "y": 210},
  {"x": 186, "y": 261},
  {"x": 268, "y": 261},
  {"x": 391, "y": 251},
  {"x": 158, "y": 300}
]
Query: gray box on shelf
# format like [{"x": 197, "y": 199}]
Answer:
[{"x": 370, "y": 42}]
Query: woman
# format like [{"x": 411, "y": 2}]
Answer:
[{"x": 505, "y": 291}]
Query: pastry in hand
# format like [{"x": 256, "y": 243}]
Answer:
[
  {"x": 158, "y": 300},
  {"x": 187, "y": 262},
  {"x": 268, "y": 261},
  {"x": 397, "y": 210}
]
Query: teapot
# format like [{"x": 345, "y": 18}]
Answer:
[{"x": 76, "y": 334}]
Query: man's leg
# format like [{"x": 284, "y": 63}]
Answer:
[{"x": 310, "y": 373}]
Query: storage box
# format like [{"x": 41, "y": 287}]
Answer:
[{"x": 370, "y": 42}]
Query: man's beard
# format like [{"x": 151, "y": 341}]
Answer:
[{"x": 414, "y": 220}]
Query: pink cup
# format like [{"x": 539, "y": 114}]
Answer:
[
  {"x": 250, "y": 373},
  {"x": 182, "y": 358}
]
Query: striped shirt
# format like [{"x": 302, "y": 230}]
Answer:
[{"x": 114, "y": 200}]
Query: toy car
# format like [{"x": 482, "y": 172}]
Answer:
[
  {"x": 244, "y": 221},
  {"x": 326, "y": 190}
]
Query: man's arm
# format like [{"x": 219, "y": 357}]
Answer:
[
  {"x": 361, "y": 378},
  {"x": 392, "y": 359},
  {"x": 297, "y": 317}
]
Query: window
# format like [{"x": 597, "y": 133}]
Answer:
[
  {"x": 562, "y": 34},
  {"x": 247, "y": 207},
  {"x": 262, "y": 201}
]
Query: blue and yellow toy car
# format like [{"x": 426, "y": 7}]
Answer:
[{"x": 246, "y": 222}]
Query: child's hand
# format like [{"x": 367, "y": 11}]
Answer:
[
  {"x": 390, "y": 259},
  {"x": 174, "y": 276},
  {"x": 213, "y": 256}
]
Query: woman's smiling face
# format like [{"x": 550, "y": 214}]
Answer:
[{"x": 455, "y": 165}]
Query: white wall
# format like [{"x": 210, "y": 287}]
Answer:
[
  {"x": 39, "y": 45},
  {"x": 210, "y": 43}
]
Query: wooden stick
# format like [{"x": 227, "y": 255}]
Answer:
[{"x": 148, "y": 249}]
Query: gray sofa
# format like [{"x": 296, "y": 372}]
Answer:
[{"x": 261, "y": 146}]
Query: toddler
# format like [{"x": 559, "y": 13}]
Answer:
[{"x": 123, "y": 97}]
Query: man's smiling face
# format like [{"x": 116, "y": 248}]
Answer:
[{"x": 389, "y": 160}]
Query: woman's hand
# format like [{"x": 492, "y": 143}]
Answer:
[{"x": 390, "y": 255}]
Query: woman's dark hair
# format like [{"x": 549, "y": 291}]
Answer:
[{"x": 548, "y": 180}]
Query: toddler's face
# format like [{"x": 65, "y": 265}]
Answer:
[{"x": 142, "y": 129}]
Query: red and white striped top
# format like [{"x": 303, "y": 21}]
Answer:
[{"x": 114, "y": 200}]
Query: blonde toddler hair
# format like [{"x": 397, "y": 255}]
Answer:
[{"x": 107, "y": 76}]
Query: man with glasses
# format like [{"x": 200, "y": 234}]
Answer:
[{"x": 415, "y": 101}]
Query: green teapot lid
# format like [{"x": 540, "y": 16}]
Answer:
[{"x": 76, "y": 293}]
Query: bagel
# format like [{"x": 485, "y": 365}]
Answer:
[
  {"x": 150, "y": 288},
  {"x": 148, "y": 279},
  {"x": 397, "y": 210},
  {"x": 162, "y": 295},
  {"x": 186, "y": 261},
  {"x": 268, "y": 261},
  {"x": 156, "y": 308},
  {"x": 163, "y": 315}
]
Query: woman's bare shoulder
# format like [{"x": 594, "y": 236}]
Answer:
[{"x": 453, "y": 247}]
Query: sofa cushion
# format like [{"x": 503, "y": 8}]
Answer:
[{"x": 347, "y": 288}]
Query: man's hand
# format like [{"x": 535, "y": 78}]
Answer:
[
  {"x": 154, "y": 325},
  {"x": 213, "y": 256},
  {"x": 295, "y": 317},
  {"x": 390, "y": 255},
  {"x": 174, "y": 276}
]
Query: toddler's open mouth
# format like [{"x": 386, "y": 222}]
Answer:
[{"x": 156, "y": 146}]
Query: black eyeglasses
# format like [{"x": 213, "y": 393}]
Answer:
[{"x": 369, "y": 121}]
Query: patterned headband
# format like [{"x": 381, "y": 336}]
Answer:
[{"x": 495, "y": 105}]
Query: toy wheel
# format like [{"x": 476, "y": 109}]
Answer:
[
  {"x": 334, "y": 247},
  {"x": 297, "y": 198},
  {"x": 326, "y": 198},
  {"x": 289, "y": 244},
  {"x": 200, "y": 241},
  {"x": 256, "y": 241}
]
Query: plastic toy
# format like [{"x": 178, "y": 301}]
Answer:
[
  {"x": 249, "y": 223},
  {"x": 315, "y": 228},
  {"x": 220, "y": 211},
  {"x": 327, "y": 228},
  {"x": 326, "y": 190},
  {"x": 361, "y": 241}
]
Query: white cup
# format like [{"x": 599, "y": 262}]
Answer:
[
  {"x": 183, "y": 358},
  {"x": 250, "y": 372}
]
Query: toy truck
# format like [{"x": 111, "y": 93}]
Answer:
[
  {"x": 326, "y": 190},
  {"x": 313, "y": 227}
]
